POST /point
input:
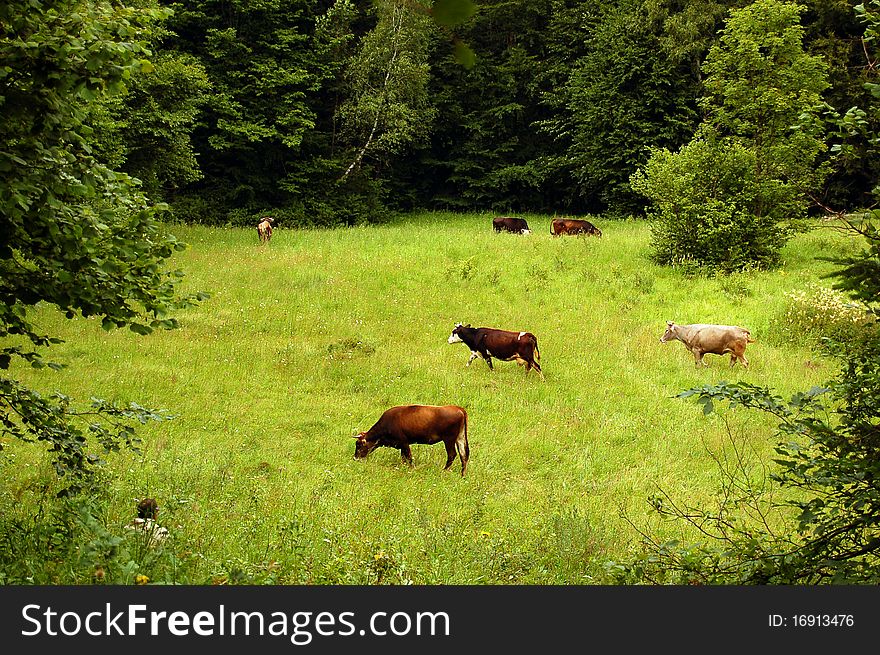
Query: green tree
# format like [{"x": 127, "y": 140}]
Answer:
[
  {"x": 759, "y": 85},
  {"x": 267, "y": 67},
  {"x": 625, "y": 95},
  {"x": 834, "y": 31},
  {"x": 75, "y": 234},
  {"x": 484, "y": 146},
  {"x": 388, "y": 108},
  {"x": 146, "y": 130}
]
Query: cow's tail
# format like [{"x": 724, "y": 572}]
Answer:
[
  {"x": 467, "y": 448},
  {"x": 537, "y": 352},
  {"x": 551, "y": 229}
]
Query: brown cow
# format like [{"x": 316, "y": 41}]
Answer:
[
  {"x": 501, "y": 344},
  {"x": 573, "y": 226},
  {"x": 702, "y": 339},
  {"x": 264, "y": 228},
  {"x": 510, "y": 224},
  {"x": 404, "y": 425}
]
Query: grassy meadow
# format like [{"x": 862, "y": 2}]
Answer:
[{"x": 309, "y": 339}]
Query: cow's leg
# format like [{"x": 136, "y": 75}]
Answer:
[
  {"x": 488, "y": 359},
  {"x": 698, "y": 358},
  {"x": 463, "y": 450},
  {"x": 474, "y": 355},
  {"x": 406, "y": 454},
  {"x": 450, "y": 454},
  {"x": 537, "y": 367}
]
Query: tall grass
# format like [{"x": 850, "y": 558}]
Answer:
[{"x": 309, "y": 339}]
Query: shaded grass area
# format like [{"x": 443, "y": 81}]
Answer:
[{"x": 309, "y": 339}]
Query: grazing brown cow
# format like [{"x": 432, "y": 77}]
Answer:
[
  {"x": 510, "y": 224},
  {"x": 501, "y": 344},
  {"x": 702, "y": 339},
  {"x": 404, "y": 425},
  {"x": 264, "y": 228},
  {"x": 573, "y": 226}
]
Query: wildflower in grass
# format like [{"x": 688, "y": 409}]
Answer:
[
  {"x": 140, "y": 578},
  {"x": 379, "y": 555},
  {"x": 817, "y": 312}
]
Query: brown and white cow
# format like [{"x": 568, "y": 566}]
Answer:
[
  {"x": 404, "y": 425},
  {"x": 264, "y": 228},
  {"x": 510, "y": 224},
  {"x": 561, "y": 226},
  {"x": 500, "y": 344},
  {"x": 702, "y": 339}
]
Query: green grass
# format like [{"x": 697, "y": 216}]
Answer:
[{"x": 308, "y": 340}]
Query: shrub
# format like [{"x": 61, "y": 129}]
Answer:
[
  {"x": 703, "y": 198},
  {"x": 815, "y": 313},
  {"x": 463, "y": 269},
  {"x": 731, "y": 197},
  {"x": 734, "y": 287}
]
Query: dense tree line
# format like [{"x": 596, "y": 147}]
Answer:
[{"x": 337, "y": 111}]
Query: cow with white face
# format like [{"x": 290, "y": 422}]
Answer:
[{"x": 505, "y": 345}]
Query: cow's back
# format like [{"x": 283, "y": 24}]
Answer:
[
  {"x": 715, "y": 338},
  {"x": 505, "y": 343},
  {"x": 419, "y": 423}
]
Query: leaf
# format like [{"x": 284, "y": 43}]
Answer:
[
  {"x": 452, "y": 12},
  {"x": 140, "y": 329},
  {"x": 464, "y": 55},
  {"x": 874, "y": 89}
]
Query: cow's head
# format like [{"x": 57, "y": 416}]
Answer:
[
  {"x": 669, "y": 335},
  {"x": 364, "y": 446},
  {"x": 525, "y": 230},
  {"x": 454, "y": 337}
]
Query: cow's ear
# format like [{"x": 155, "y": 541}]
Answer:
[
  {"x": 670, "y": 323},
  {"x": 458, "y": 325}
]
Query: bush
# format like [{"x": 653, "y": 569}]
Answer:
[
  {"x": 703, "y": 198},
  {"x": 811, "y": 315},
  {"x": 731, "y": 197}
]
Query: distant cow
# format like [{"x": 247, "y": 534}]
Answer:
[
  {"x": 404, "y": 425},
  {"x": 501, "y": 344},
  {"x": 702, "y": 339},
  {"x": 573, "y": 226},
  {"x": 510, "y": 224},
  {"x": 264, "y": 228}
]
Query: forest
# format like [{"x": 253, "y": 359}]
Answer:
[{"x": 340, "y": 113}]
